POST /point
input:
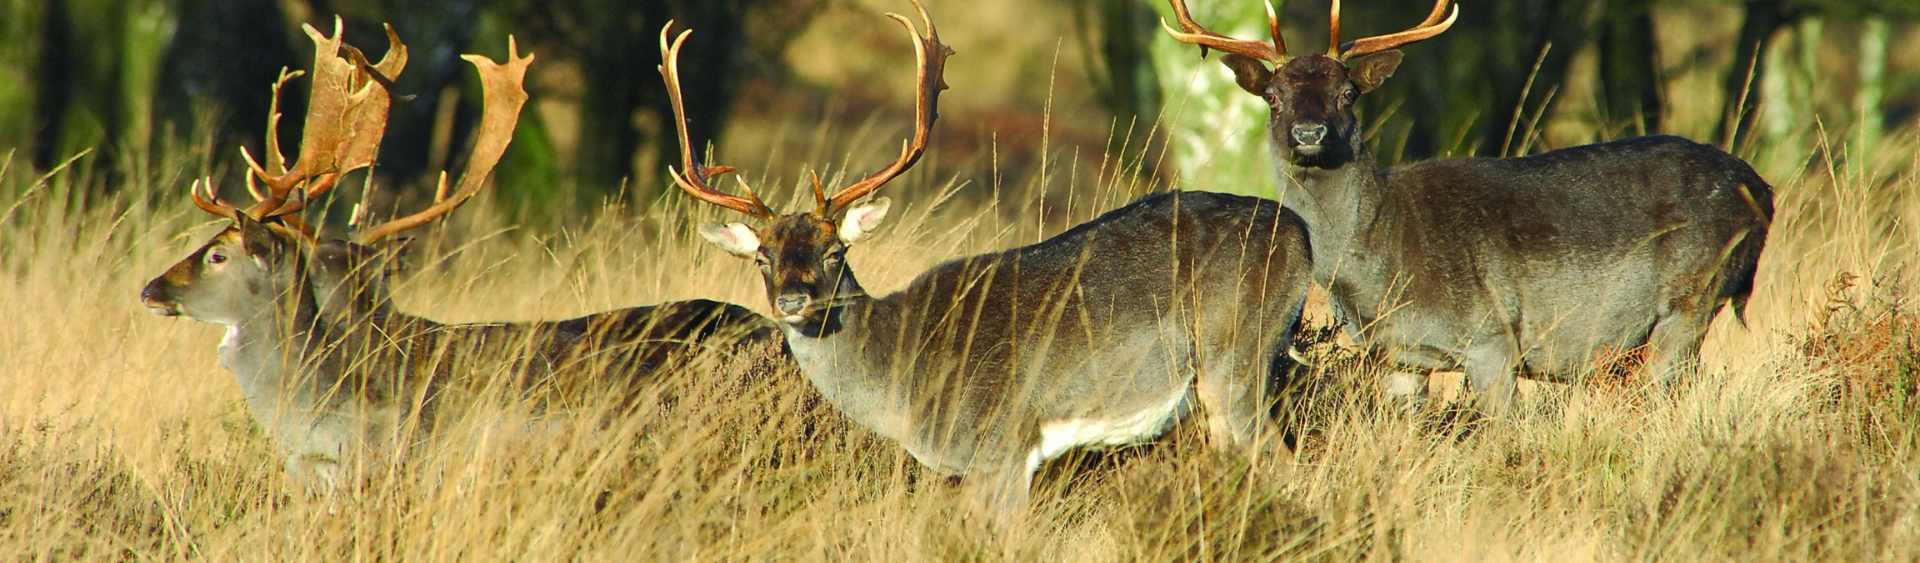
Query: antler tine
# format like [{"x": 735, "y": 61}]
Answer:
[
  {"x": 346, "y": 120},
  {"x": 930, "y": 80},
  {"x": 695, "y": 179},
  {"x": 820, "y": 205},
  {"x": 504, "y": 97},
  {"x": 276, "y": 160},
  {"x": 1428, "y": 28},
  {"x": 1191, "y": 32},
  {"x": 212, "y": 202},
  {"x": 1333, "y": 30}
]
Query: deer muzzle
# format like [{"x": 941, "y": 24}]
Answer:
[
  {"x": 1307, "y": 137},
  {"x": 792, "y": 305},
  {"x": 158, "y": 299}
]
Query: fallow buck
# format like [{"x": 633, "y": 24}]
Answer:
[
  {"x": 988, "y": 366},
  {"x": 252, "y": 278},
  {"x": 1540, "y": 265},
  {"x": 331, "y": 394},
  {"x": 570, "y": 361}
]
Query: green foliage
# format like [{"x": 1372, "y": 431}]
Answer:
[{"x": 1217, "y": 131}]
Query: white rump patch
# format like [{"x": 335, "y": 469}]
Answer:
[{"x": 735, "y": 238}]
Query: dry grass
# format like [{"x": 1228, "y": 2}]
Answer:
[{"x": 122, "y": 438}]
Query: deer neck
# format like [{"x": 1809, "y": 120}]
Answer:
[
  {"x": 1336, "y": 203},
  {"x": 276, "y": 353},
  {"x": 847, "y": 356},
  {"x": 1346, "y": 211}
]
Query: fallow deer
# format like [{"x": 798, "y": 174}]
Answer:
[
  {"x": 568, "y": 361},
  {"x": 989, "y": 366},
  {"x": 332, "y": 373},
  {"x": 252, "y": 278},
  {"x": 1535, "y": 265}
]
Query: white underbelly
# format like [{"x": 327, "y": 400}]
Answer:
[{"x": 1056, "y": 437}]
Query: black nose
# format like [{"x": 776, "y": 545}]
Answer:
[
  {"x": 1309, "y": 134},
  {"x": 152, "y": 293},
  {"x": 791, "y": 303},
  {"x": 154, "y": 296}
]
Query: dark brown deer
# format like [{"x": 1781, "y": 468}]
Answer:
[
  {"x": 1537, "y": 265},
  {"x": 990, "y": 365}
]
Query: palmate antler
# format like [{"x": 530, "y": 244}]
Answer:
[
  {"x": 1276, "y": 52},
  {"x": 504, "y": 96},
  {"x": 346, "y": 120},
  {"x": 929, "y": 79},
  {"x": 346, "y": 117}
]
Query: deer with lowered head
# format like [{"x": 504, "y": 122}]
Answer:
[
  {"x": 334, "y": 394},
  {"x": 988, "y": 366},
  {"x": 570, "y": 361},
  {"x": 1538, "y": 265}
]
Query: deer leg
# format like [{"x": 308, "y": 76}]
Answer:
[
  {"x": 319, "y": 474},
  {"x": 1406, "y": 391},
  {"x": 1490, "y": 372},
  {"x": 1233, "y": 386},
  {"x": 1675, "y": 346},
  {"x": 998, "y": 497}
]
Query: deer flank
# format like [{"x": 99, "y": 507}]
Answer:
[
  {"x": 988, "y": 366},
  {"x": 1500, "y": 266}
]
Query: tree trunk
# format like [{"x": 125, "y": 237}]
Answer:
[
  {"x": 1520, "y": 88},
  {"x": 1757, "y": 27},
  {"x": 1630, "y": 69},
  {"x": 1118, "y": 34},
  {"x": 53, "y": 87},
  {"x": 223, "y": 56}
]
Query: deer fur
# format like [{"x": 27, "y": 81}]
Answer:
[
  {"x": 1106, "y": 334},
  {"x": 567, "y": 361},
  {"x": 338, "y": 377},
  {"x": 1537, "y": 265},
  {"x": 324, "y": 409}
]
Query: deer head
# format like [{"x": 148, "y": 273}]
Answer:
[
  {"x": 256, "y": 257},
  {"x": 802, "y": 256},
  {"x": 1310, "y": 98},
  {"x": 245, "y": 269},
  {"x": 254, "y": 261}
]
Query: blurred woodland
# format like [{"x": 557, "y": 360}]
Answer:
[{"x": 148, "y": 83}]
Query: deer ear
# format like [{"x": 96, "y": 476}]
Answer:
[
  {"x": 1368, "y": 72},
  {"x": 735, "y": 238},
  {"x": 398, "y": 253},
  {"x": 862, "y": 219},
  {"x": 330, "y": 256},
  {"x": 1250, "y": 73},
  {"x": 259, "y": 241}
]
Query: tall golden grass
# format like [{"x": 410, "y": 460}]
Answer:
[{"x": 121, "y": 437}]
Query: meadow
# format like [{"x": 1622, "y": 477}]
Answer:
[{"x": 122, "y": 438}]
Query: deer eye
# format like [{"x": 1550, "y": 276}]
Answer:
[
  {"x": 834, "y": 258},
  {"x": 762, "y": 261},
  {"x": 1347, "y": 95},
  {"x": 215, "y": 256}
]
